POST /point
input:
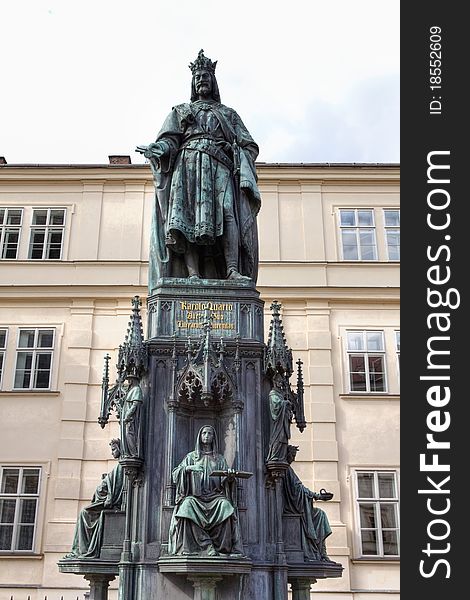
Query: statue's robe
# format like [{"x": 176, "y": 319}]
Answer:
[
  {"x": 130, "y": 432},
  {"x": 281, "y": 415},
  {"x": 204, "y": 513},
  {"x": 89, "y": 527},
  {"x": 209, "y": 169},
  {"x": 298, "y": 499}
]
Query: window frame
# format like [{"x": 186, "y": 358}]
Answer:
[
  {"x": 4, "y": 227},
  {"x": 376, "y": 500},
  {"x": 3, "y": 351},
  {"x": 35, "y": 350},
  {"x": 388, "y": 228},
  {"x": 366, "y": 353},
  {"x": 356, "y": 227},
  {"x": 47, "y": 228},
  {"x": 397, "y": 349},
  {"x": 18, "y": 496}
]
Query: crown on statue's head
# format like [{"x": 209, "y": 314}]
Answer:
[{"x": 202, "y": 63}]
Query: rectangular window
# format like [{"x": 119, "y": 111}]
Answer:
[
  {"x": 366, "y": 361},
  {"x": 3, "y": 345},
  {"x": 47, "y": 234},
  {"x": 392, "y": 233},
  {"x": 397, "y": 348},
  {"x": 358, "y": 234},
  {"x": 34, "y": 359},
  {"x": 10, "y": 228},
  {"x": 377, "y": 506},
  {"x": 19, "y": 499}
]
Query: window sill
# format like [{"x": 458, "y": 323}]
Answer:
[
  {"x": 32, "y": 260},
  {"x": 376, "y": 559},
  {"x": 368, "y": 262},
  {"x": 370, "y": 396},
  {"x": 22, "y": 555},
  {"x": 29, "y": 392}
]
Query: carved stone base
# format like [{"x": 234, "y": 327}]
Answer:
[
  {"x": 204, "y": 587},
  {"x": 204, "y": 573}
]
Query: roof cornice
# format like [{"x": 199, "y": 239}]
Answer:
[{"x": 267, "y": 172}]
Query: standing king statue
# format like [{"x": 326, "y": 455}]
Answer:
[{"x": 207, "y": 198}]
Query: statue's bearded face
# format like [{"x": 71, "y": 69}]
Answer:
[
  {"x": 115, "y": 450},
  {"x": 207, "y": 435},
  {"x": 203, "y": 83}
]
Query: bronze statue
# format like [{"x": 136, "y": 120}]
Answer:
[
  {"x": 127, "y": 399},
  {"x": 207, "y": 198},
  {"x": 281, "y": 415},
  {"x": 299, "y": 500},
  {"x": 204, "y": 519},
  {"x": 108, "y": 495},
  {"x": 129, "y": 418}
]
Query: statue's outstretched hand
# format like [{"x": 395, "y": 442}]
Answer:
[{"x": 154, "y": 150}]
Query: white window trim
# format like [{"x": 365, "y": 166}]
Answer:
[
  {"x": 9, "y": 367},
  {"x": 19, "y": 227},
  {"x": 357, "y": 227},
  {"x": 357, "y": 540},
  {"x": 3, "y": 352},
  {"x": 40, "y": 509},
  {"x": 386, "y": 228},
  {"x": 19, "y": 496},
  {"x": 35, "y": 351},
  {"x": 47, "y": 227},
  {"x": 397, "y": 352},
  {"x": 366, "y": 353}
]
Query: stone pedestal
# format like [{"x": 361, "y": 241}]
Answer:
[
  {"x": 207, "y": 365},
  {"x": 210, "y": 328}
]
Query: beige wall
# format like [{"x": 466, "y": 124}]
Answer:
[{"x": 86, "y": 298}]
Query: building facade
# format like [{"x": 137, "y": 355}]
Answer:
[{"x": 73, "y": 252}]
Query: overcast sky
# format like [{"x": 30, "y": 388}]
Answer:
[{"x": 313, "y": 80}]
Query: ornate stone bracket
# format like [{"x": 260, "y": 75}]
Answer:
[{"x": 99, "y": 574}]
